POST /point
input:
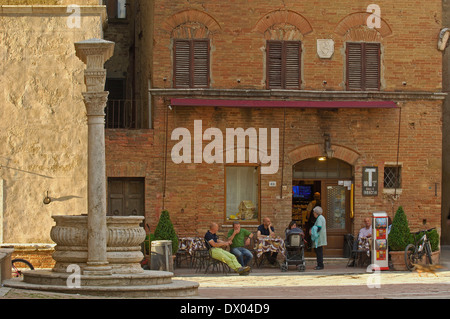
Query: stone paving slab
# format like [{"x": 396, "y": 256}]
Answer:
[{"x": 4, "y": 291}]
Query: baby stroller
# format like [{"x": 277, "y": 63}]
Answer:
[{"x": 295, "y": 252}]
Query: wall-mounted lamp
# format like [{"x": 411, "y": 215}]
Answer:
[
  {"x": 47, "y": 200},
  {"x": 328, "y": 150}
]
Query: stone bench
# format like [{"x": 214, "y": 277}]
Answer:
[{"x": 5, "y": 263}]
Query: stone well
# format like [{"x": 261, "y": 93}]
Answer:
[{"x": 124, "y": 236}]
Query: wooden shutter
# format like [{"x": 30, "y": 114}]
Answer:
[
  {"x": 363, "y": 66},
  {"x": 274, "y": 64},
  {"x": 354, "y": 66},
  {"x": 372, "y": 66},
  {"x": 135, "y": 198},
  {"x": 292, "y": 65},
  {"x": 126, "y": 197},
  {"x": 111, "y": 7},
  {"x": 201, "y": 63},
  {"x": 182, "y": 63},
  {"x": 283, "y": 64}
]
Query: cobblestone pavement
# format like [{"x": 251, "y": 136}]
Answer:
[
  {"x": 315, "y": 286},
  {"x": 336, "y": 281}
]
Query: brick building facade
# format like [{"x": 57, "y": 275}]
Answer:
[{"x": 371, "y": 97}]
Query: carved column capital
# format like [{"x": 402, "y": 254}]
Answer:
[{"x": 95, "y": 103}]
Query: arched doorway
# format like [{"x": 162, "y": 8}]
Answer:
[{"x": 332, "y": 179}]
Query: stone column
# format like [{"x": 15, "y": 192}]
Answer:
[{"x": 94, "y": 53}]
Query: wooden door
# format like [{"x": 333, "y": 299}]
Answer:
[
  {"x": 336, "y": 210},
  {"x": 126, "y": 197}
]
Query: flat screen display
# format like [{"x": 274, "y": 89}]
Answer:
[{"x": 302, "y": 192}]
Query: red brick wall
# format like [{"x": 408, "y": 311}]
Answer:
[
  {"x": 409, "y": 36},
  {"x": 40, "y": 258},
  {"x": 195, "y": 193}
]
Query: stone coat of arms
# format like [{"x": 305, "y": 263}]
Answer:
[{"x": 325, "y": 48}]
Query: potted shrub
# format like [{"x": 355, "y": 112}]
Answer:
[
  {"x": 399, "y": 238},
  {"x": 165, "y": 231}
]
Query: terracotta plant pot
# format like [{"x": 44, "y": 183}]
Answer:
[
  {"x": 434, "y": 258},
  {"x": 398, "y": 260}
]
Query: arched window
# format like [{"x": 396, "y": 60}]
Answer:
[
  {"x": 283, "y": 30},
  {"x": 191, "y": 31}
]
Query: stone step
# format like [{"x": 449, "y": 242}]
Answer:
[
  {"x": 328, "y": 261},
  {"x": 146, "y": 278},
  {"x": 176, "y": 289}
]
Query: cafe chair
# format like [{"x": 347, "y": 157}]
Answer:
[
  {"x": 358, "y": 256},
  {"x": 182, "y": 255},
  {"x": 200, "y": 259},
  {"x": 213, "y": 264}
]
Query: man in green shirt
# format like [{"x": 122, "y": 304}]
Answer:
[{"x": 237, "y": 235}]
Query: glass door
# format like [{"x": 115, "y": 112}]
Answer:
[{"x": 336, "y": 205}]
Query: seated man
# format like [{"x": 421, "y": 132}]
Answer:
[
  {"x": 220, "y": 254},
  {"x": 267, "y": 230},
  {"x": 366, "y": 231},
  {"x": 364, "y": 234},
  {"x": 237, "y": 236}
]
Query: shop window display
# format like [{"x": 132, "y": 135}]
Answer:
[{"x": 242, "y": 193}]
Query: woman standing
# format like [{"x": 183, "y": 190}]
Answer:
[{"x": 319, "y": 236}]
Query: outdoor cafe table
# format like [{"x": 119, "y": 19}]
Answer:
[
  {"x": 268, "y": 244},
  {"x": 196, "y": 250}
]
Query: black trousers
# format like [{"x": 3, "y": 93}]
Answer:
[
  {"x": 271, "y": 257},
  {"x": 319, "y": 254}
]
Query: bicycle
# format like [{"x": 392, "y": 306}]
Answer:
[
  {"x": 19, "y": 266},
  {"x": 415, "y": 252}
]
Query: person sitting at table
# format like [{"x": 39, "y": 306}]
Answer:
[
  {"x": 237, "y": 236},
  {"x": 366, "y": 231},
  {"x": 364, "y": 235},
  {"x": 220, "y": 254},
  {"x": 293, "y": 229},
  {"x": 267, "y": 230}
]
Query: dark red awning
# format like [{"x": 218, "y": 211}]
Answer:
[{"x": 287, "y": 104}]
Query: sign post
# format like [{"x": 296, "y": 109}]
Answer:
[{"x": 370, "y": 181}]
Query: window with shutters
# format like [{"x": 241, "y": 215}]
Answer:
[
  {"x": 191, "y": 63},
  {"x": 363, "y": 66},
  {"x": 283, "y": 64}
]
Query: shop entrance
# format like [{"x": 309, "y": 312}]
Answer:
[{"x": 326, "y": 183}]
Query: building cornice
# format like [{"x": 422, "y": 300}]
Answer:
[
  {"x": 299, "y": 94},
  {"x": 94, "y": 10}
]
